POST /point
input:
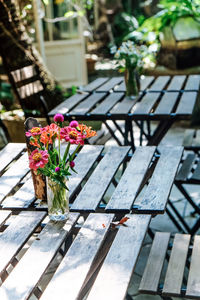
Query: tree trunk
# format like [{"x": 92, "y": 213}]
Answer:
[{"x": 17, "y": 51}]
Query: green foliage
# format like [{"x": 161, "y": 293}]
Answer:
[
  {"x": 124, "y": 23},
  {"x": 171, "y": 11},
  {"x": 6, "y": 97}
]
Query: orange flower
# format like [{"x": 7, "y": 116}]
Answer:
[
  {"x": 86, "y": 131},
  {"x": 34, "y": 142},
  {"x": 49, "y": 133}
]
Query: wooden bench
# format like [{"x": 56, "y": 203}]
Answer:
[
  {"x": 97, "y": 259},
  {"x": 181, "y": 277}
]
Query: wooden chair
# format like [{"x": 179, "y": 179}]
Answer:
[
  {"x": 29, "y": 91},
  {"x": 181, "y": 277},
  {"x": 189, "y": 173}
]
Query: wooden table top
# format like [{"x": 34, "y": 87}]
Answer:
[
  {"x": 164, "y": 97},
  {"x": 98, "y": 257},
  {"x": 82, "y": 259},
  {"x": 108, "y": 180}
]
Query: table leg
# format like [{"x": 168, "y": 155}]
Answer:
[
  {"x": 160, "y": 131},
  {"x": 112, "y": 133}
]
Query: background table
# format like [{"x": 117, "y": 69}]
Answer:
[
  {"x": 108, "y": 180},
  {"x": 164, "y": 99}
]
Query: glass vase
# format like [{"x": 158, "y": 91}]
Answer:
[
  {"x": 132, "y": 82},
  {"x": 58, "y": 201}
]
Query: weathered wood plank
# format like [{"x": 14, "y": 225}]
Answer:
[
  {"x": 16, "y": 235},
  {"x": 84, "y": 162},
  {"x": 68, "y": 104},
  {"x": 106, "y": 87},
  {"x": 193, "y": 83},
  {"x": 24, "y": 73},
  {"x": 167, "y": 103},
  {"x": 96, "y": 186},
  {"x": 188, "y": 137},
  {"x": 186, "y": 167},
  {"x": 157, "y": 192},
  {"x": 85, "y": 106},
  {"x": 193, "y": 284},
  {"x": 145, "y": 82},
  {"x": 124, "y": 106},
  {"x": 23, "y": 198},
  {"x": 104, "y": 107},
  {"x": 176, "y": 83},
  {"x": 186, "y": 104},
  {"x": 9, "y": 153},
  {"x": 126, "y": 191},
  {"x": 4, "y": 215},
  {"x": 196, "y": 140},
  {"x": 151, "y": 276},
  {"x": 75, "y": 265},
  {"x": 92, "y": 86},
  {"x": 30, "y": 89},
  {"x": 176, "y": 266},
  {"x": 196, "y": 174},
  {"x": 159, "y": 83},
  {"x": 13, "y": 175},
  {"x": 36, "y": 260},
  {"x": 115, "y": 274},
  {"x": 146, "y": 104}
]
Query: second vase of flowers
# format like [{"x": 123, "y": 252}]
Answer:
[{"x": 129, "y": 59}]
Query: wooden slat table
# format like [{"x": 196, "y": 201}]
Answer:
[
  {"x": 97, "y": 260},
  {"x": 164, "y": 99},
  {"x": 98, "y": 170}
]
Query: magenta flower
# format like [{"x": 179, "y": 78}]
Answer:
[
  {"x": 58, "y": 118},
  {"x": 35, "y": 131},
  {"x": 57, "y": 169},
  {"x": 38, "y": 159},
  {"x": 72, "y": 164},
  {"x": 73, "y": 124},
  {"x": 71, "y": 135}
]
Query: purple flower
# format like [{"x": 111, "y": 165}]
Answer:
[
  {"x": 57, "y": 169},
  {"x": 72, "y": 164},
  {"x": 58, "y": 118},
  {"x": 73, "y": 124}
]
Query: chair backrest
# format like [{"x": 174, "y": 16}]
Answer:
[{"x": 29, "y": 91}]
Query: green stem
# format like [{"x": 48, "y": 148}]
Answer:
[
  {"x": 75, "y": 151},
  {"x": 59, "y": 146},
  {"x": 66, "y": 153}
]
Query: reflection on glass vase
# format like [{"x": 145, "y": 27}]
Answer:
[
  {"x": 58, "y": 201},
  {"x": 132, "y": 82}
]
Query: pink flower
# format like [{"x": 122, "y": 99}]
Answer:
[
  {"x": 57, "y": 169},
  {"x": 58, "y": 118},
  {"x": 38, "y": 159},
  {"x": 71, "y": 135},
  {"x": 72, "y": 164},
  {"x": 35, "y": 131},
  {"x": 73, "y": 124}
]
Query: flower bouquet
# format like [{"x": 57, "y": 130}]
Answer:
[
  {"x": 129, "y": 59},
  {"x": 47, "y": 160}
]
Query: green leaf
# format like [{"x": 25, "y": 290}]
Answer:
[{"x": 69, "y": 14}]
